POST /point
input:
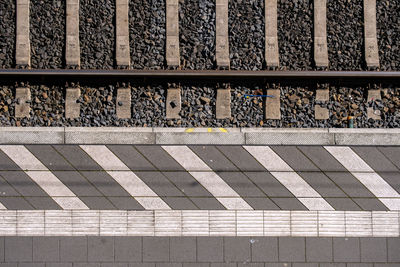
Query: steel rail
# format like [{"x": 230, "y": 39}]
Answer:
[{"x": 198, "y": 74}]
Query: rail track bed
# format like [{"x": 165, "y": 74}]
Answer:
[{"x": 200, "y": 35}]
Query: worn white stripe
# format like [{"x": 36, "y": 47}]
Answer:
[
  {"x": 39, "y": 173},
  {"x": 2, "y": 207},
  {"x": 125, "y": 177},
  {"x": 367, "y": 176},
  {"x": 207, "y": 178},
  {"x": 288, "y": 177},
  {"x": 199, "y": 223}
]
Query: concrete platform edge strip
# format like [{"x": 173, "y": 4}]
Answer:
[
  {"x": 203, "y": 136},
  {"x": 199, "y": 223}
]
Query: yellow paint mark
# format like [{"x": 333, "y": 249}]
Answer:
[
  {"x": 189, "y": 130},
  {"x": 223, "y": 130},
  {"x": 209, "y": 130}
]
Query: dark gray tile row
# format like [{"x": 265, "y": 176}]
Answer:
[{"x": 199, "y": 249}]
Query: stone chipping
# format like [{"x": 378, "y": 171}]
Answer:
[{"x": 7, "y": 33}]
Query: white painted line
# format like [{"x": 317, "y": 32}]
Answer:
[
  {"x": 125, "y": 177},
  {"x": 2, "y": 207},
  {"x": 207, "y": 177},
  {"x": 288, "y": 177},
  {"x": 39, "y": 173},
  {"x": 367, "y": 176},
  {"x": 199, "y": 223}
]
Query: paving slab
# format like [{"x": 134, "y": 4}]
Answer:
[
  {"x": 320, "y": 38},
  {"x": 346, "y": 250},
  {"x": 264, "y": 249},
  {"x": 122, "y": 53},
  {"x": 72, "y": 48}
]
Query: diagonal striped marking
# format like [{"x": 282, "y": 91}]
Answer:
[
  {"x": 288, "y": 177},
  {"x": 207, "y": 178},
  {"x": 125, "y": 177},
  {"x": 367, "y": 176},
  {"x": 2, "y": 207},
  {"x": 39, "y": 173}
]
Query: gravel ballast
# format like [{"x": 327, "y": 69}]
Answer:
[
  {"x": 47, "y": 33},
  {"x": 295, "y": 25},
  {"x": 246, "y": 34},
  {"x": 197, "y": 34},
  {"x": 7, "y": 33},
  {"x": 96, "y": 34},
  {"x": 388, "y": 34},
  {"x": 345, "y": 34},
  {"x": 147, "y": 34},
  {"x": 98, "y": 106}
]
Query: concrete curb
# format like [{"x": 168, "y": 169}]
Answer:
[{"x": 198, "y": 136}]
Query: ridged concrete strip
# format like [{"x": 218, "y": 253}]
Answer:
[
  {"x": 188, "y": 136},
  {"x": 211, "y": 223}
]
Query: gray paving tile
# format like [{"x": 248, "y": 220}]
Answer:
[
  {"x": 114, "y": 264},
  {"x": 8, "y": 264},
  {"x": 322, "y": 184},
  {"x": 391, "y": 153},
  {"x": 207, "y": 203},
  {"x": 155, "y": 249},
  {"x": 84, "y": 264},
  {"x": 131, "y": 157},
  {"x": 373, "y": 249},
  {"x": 375, "y": 159},
  {"x": 267, "y": 183},
  {"x": 142, "y": 265},
  {"x": 73, "y": 249},
  {"x": 237, "y": 249},
  {"x": 98, "y": 203},
  {"x": 22, "y": 183},
  {"x": 77, "y": 183},
  {"x": 159, "y": 183},
  {"x": 58, "y": 264},
  {"x": 332, "y": 265},
  {"x": 100, "y": 249},
  {"x": 275, "y": 264},
  {"x": 31, "y": 264},
  {"x": 319, "y": 249},
  {"x": 43, "y": 203},
  {"x": 159, "y": 158},
  {"x": 322, "y": 158},
  {"x": 187, "y": 184},
  {"x": 196, "y": 264},
  {"x": 370, "y": 204},
  {"x": 6, "y": 164},
  {"x": 241, "y": 184},
  {"x": 214, "y": 158},
  {"x": 1, "y": 249},
  {"x": 386, "y": 265},
  {"x": 359, "y": 265},
  {"x": 349, "y": 184},
  {"x": 128, "y": 249},
  {"x": 6, "y": 190},
  {"x": 223, "y": 265},
  {"x": 346, "y": 249},
  {"x": 342, "y": 203},
  {"x": 250, "y": 264},
  {"x": 241, "y": 158},
  {"x": 183, "y": 249},
  {"x": 288, "y": 203},
  {"x": 16, "y": 203},
  {"x": 210, "y": 249},
  {"x": 46, "y": 249},
  {"x": 50, "y": 157},
  {"x": 18, "y": 249},
  {"x": 305, "y": 264},
  {"x": 393, "y": 249},
  {"x": 180, "y": 203},
  {"x": 261, "y": 203},
  {"x": 168, "y": 264},
  {"x": 104, "y": 183},
  {"x": 392, "y": 178},
  {"x": 125, "y": 203},
  {"x": 77, "y": 157},
  {"x": 264, "y": 249},
  {"x": 295, "y": 158},
  {"x": 292, "y": 249}
]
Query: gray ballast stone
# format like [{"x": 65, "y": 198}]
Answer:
[{"x": 7, "y": 33}]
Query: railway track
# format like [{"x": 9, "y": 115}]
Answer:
[
  {"x": 75, "y": 31},
  {"x": 199, "y": 98}
]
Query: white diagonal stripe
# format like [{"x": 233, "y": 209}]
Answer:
[
  {"x": 366, "y": 175},
  {"x": 125, "y": 177},
  {"x": 2, "y": 207},
  {"x": 39, "y": 173},
  {"x": 288, "y": 177},
  {"x": 207, "y": 178}
]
